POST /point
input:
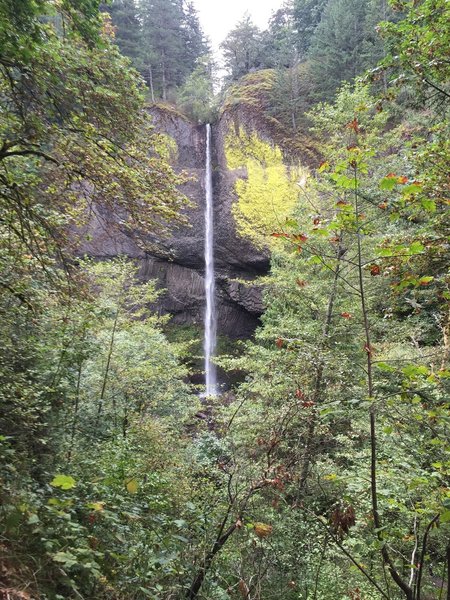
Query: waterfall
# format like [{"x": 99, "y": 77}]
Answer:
[{"x": 210, "y": 283}]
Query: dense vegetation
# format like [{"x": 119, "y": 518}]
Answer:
[{"x": 324, "y": 474}]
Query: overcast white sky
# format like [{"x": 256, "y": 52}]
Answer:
[{"x": 218, "y": 17}]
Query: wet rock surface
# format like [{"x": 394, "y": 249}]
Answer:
[{"x": 178, "y": 262}]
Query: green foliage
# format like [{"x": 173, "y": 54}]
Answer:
[
  {"x": 342, "y": 46},
  {"x": 307, "y": 16},
  {"x": 196, "y": 97},
  {"x": 306, "y": 394},
  {"x": 324, "y": 473},
  {"x": 242, "y": 49},
  {"x": 163, "y": 39}
]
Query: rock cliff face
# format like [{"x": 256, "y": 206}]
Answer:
[{"x": 178, "y": 264}]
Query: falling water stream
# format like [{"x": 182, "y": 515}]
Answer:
[{"x": 210, "y": 284}]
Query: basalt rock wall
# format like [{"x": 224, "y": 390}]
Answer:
[{"x": 177, "y": 263}]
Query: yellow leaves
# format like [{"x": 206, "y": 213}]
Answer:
[
  {"x": 97, "y": 506},
  {"x": 132, "y": 486},
  {"x": 65, "y": 482},
  {"x": 262, "y": 530},
  {"x": 268, "y": 194},
  {"x": 167, "y": 147}
]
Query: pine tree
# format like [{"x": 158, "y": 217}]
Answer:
[
  {"x": 194, "y": 40},
  {"x": 281, "y": 39}
]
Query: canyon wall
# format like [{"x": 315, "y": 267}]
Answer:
[{"x": 177, "y": 262}]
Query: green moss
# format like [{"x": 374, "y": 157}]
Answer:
[
  {"x": 168, "y": 109},
  {"x": 252, "y": 90}
]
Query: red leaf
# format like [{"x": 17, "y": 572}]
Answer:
[
  {"x": 342, "y": 203},
  {"x": 279, "y": 343},
  {"x": 402, "y": 180},
  {"x": 346, "y": 315},
  {"x": 383, "y": 205},
  {"x": 354, "y": 125},
  {"x": 279, "y": 235},
  {"x": 391, "y": 176},
  {"x": 300, "y": 237},
  {"x": 299, "y": 394},
  {"x": 375, "y": 270}
]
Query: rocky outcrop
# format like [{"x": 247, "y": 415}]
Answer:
[{"x": 177, "y": 262}]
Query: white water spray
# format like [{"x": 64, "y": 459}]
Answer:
[{"x": 210, "y": 283}]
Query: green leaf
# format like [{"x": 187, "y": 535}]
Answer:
[
  {"x": 429, "y": 205},
  {"x": 413, "y": 371},
  {"x": 65, "y": 482},
  {"x": 416, "y": 248},
  {"x": 385, "y": 367},
  {"x": 412, "y": 188},
  {"x": 315, "y": 260},
  {"x": 66, "y": 558},
  {"x": 425, "y": 280},
  {"x": 388, "y": 183},
  {"x": 445, "y": 517},
  {"x": 33, "y": 519},
  {"x": 180, "y": 523},
  {"x": 132, "y": 486}
]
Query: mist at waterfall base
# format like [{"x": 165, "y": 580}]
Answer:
[{"x": 210, "y": 322}]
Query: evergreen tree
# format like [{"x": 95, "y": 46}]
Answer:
[
  {"x": 126, "y": 28},
  {"x": 195, "y": 44},
  {"x": 163, "y": 39},
  {"x": 307, "y": 15},
  {"x": 196, "y": 96},
  {"x": 281, "y": 39},
  {"x": 342, "y": 47},
  {"x": 243, "y": 48}
]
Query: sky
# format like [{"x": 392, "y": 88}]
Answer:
[{"x": 218, "y": 17}]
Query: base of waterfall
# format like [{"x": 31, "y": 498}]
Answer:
[{"x": 214, "y": 393}]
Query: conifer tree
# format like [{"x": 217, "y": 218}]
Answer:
[
  {"x": 307, "y": 15},
  {"x": 342, "y": 47},
  {"x": 127, "y": 32},
  {"x": 242, "y": 48}
]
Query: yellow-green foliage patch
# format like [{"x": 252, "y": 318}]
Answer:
[
  {"x": 168, "y": 150},
  {"x": 268, "y": 195}
]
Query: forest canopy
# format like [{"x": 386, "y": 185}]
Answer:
[{"x": 322, "y": 471}]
